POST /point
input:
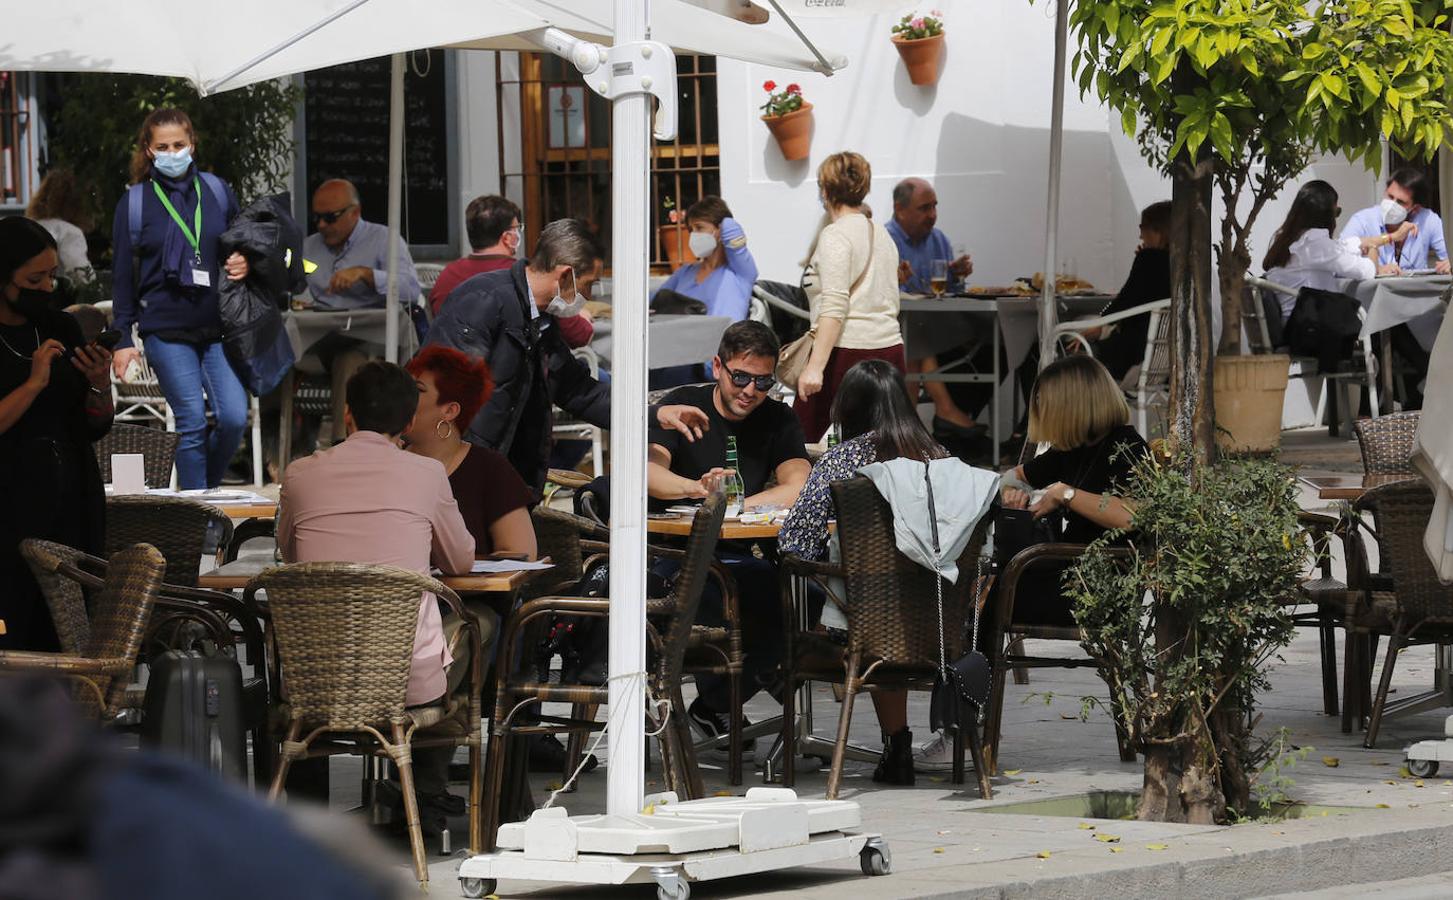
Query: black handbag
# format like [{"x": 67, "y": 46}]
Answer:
[
  {"x": 967, "y": 679},
  {"x": 1324, "y": 324}
]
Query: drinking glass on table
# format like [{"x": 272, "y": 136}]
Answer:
[{"x": 938, "y": 278}]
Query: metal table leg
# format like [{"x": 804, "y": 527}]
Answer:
[{"x": 1440, "y": 696}]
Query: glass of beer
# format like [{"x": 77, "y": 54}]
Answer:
[{"x": 938, "y": 279}]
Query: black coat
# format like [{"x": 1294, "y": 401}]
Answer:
[
  {"x": 488, "y": 316},
  {"x": 251, "y": 309}
]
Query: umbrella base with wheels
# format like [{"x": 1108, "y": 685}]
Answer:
[{"x": 674, "y": 844}]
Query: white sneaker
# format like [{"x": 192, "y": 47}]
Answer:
[{"x": 935, "y": 756}]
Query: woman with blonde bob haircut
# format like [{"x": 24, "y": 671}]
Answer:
[
  {"x": 852, "y": 291},
  {"x": 1077, "y": 409}
]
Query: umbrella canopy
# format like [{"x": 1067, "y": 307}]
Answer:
[{"x": 219, "y": 46}]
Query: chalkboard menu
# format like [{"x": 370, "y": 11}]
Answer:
[{"x": 346, "y": 111}]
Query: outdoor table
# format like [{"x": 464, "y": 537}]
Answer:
[
  {"x": 235, "y": 576},
  {"x": 1013, "y": 325},
  {"x": 1350, "y": 487},
  {"x": 673, "y": 340},
  {"x": 306, "y": 327},
  {"x": 680, "y": 526},
  {"x": 1415, "y": 300}
]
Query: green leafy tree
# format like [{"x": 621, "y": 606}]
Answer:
[
  {"x": 1240, "y": 94},
  {"x": 244, "y": 136},
  {"x": 1185, "y": 637}
]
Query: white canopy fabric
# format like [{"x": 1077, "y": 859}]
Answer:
[{"x": 221, "y": 45}]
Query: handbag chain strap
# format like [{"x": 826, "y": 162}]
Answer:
[{"x": 937, "y": 577}]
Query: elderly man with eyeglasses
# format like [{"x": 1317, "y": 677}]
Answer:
[{"x": 769, "y": 447}]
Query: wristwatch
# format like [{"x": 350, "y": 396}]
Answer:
[{"x": 1069, "y": 496}]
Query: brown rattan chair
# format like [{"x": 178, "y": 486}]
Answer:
[
  {"x": 102, "y": 667},
  {"x": 1004, "y": 621},
  {"x": 670, "y": 624},
  {"x": 1386, "y": 443},
  {"x": 176, "y": 526},
  {"x": 157, "y": 447},
  {"x": 66, "y": 574},
  {"x": 1327, "y": 594},
  {"x": 893, "y": 628},
  {"x": 345, "y": 640},
  {"x": 1414, "y": 608}
]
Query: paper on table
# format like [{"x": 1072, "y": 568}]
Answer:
[{"x": 499, "y": 566}]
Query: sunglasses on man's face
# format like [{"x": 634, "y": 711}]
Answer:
[
  {"x": 331, "y": 217},
  {"x": 742, "y": 379}
]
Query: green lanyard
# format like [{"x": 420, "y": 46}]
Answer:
[{"x": 194, "y": 237}]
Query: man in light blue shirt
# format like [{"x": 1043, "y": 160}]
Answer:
[
  {"x": 1406, "y": 199},
  {"x": 920, "y": 243},
  {"x": 351, "y": 254}
]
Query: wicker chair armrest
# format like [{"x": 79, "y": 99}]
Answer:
[
  {"x": 172, "y": 608},
  {"x": 1030, "y": 557},
  {"x": 17, "y": 661},
  {"x": 796, "y": 565},
  {"x": 593, "y": 547},
  {"x": 656, "y": 551}
]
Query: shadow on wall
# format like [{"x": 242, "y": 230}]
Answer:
[
  {"x": 791, "y": 172},
  {"x": 917, "y": 99}
]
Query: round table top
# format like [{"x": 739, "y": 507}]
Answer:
[{"x": 731, "y": 530}]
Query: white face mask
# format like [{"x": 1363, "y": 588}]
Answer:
[
  {"x": 173, "y": 165},
  {"x": 562, "y": 308},
  {"x": 701, "y": 244},
  {"x": 1393, "y": 213}
]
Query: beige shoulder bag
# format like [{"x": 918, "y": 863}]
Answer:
[{"x": 792, "y": 360}]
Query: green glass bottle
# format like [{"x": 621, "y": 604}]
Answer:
[
  {"x": 732, "y": 485},
  {"x": 833, "y": 436}
]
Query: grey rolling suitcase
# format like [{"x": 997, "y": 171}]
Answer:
[{"x": 194, "y": 709}]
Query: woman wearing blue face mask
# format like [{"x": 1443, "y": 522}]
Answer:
[
  {"x": 55, "y": 401},
  {"x": 165, "y": 271}
]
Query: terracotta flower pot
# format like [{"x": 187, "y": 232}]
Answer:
[
  {"x": 678, "y": 248},
  {"x": 793, "y": 131},
  {"x": 921, "y": 57},
  {"x": 1249, "y": 391}
]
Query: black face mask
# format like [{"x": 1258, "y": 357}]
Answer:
[{"x": 30, "y": 302}]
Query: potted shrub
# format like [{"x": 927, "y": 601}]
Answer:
[
  {"x": 1185, "y": 627},
  {"x": 673, "y": 236},
  {"x": 789, "y": 118},
  {"x": 919, "y": 40}
]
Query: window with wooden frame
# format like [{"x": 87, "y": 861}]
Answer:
[{"x": 563, "y": 167}]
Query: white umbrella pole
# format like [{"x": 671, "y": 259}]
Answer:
[
  {"x": 1048, "y": 313},
  {"x": 630, "y": 162},
  {"x": 395, "y": 205}
]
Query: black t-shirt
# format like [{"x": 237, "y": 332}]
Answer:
[
  {"x": 768, "y": 437},
  {"x": 1098, "y": 468}
]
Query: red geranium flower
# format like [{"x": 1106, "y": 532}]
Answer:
[
  {"x": 794, "y": 88},
  {"x": 769, "y": 85}
]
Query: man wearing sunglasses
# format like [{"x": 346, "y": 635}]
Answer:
[
  {"x": 769, "y": 447},
  {"x": 352, "y": 254}
]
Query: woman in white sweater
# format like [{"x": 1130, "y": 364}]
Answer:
[
  {"x": 59, "y": 207},
  {"x": 852, "y": 289}
]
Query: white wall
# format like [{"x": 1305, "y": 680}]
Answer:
[{"x": 981, "y": 135}]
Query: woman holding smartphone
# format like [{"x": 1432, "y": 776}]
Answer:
[
  {"x": 55, "y": 401},
  {"x": 165, "y": 275}
]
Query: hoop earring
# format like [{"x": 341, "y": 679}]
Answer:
[{"x": 448, "y": 430}]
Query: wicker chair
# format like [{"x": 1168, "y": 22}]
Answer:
[
  {"x": 1386, "y": 443},
  {"x": 176, "y": 526},
  {"x": 1414, "y": 608},
  {"x": 103, "y": 666},
  {"x": 159, "y": 449},
  {"x": 345, "y": 639},
  {"x": 66, "y": 574},
  {"x": 1004, "y": 622},
  {"x": 893, "y": 628},
  {"x": 1327, "y": 593},
  {"x": 669, "y": 631}
]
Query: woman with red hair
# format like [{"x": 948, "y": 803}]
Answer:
[{"x": 491, "y": 495}]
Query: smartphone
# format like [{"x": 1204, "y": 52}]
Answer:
[{"x": 108, "y": 338}]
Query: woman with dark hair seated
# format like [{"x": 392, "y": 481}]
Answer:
[
  {"x": 491, "y": 495},
  {"x": 1303, "y": 252},
  {"x": 877, "y": 423}
]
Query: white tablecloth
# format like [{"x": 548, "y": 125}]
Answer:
[
  {"x": 1416, "y": 300},
  {"x": 673, "y": 340},
  {"x": 307, "y": 327},
  {"x": 931, "y": 327}
]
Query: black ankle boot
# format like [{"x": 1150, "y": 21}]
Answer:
[{"x": 896, "y": 764}]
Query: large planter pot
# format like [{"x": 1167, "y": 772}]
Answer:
[
  {"x": 793, "y": 131},
  {"x": 921, "y": 57},
  {"x": 1248, "y": 396},
  {"x": 678, "y": 248}
]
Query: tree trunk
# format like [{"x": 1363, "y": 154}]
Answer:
[
  {"x": 1229, "y": 727},
  {"x": 1192, "y": 416},
  {"x": 1232, "y": 263},
  {"x": 1160, "y": 792}
]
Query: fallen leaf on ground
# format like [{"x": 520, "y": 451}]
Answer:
[
  {"x": 1085, "y": 826},
  {"x": 1036, "y": 781},
  {"x": 1108, "y": 838},
  {"x": 1043, "y": 854},
  {"x": 1382, "y": 806},
  {"x": 937, "y": 849},
  {"x": 553, "y": 786},
  {"x": 1068, "y": 716},
  {"x": 1404, "y": 773},
  {"x": 1116, "y": 849},
  {"x": 1157, "y": 846},
  {"x": 1379, "y": 763},
  {"x": 722, "y": 794},
  {"x": 1389, "y": 782},
  {"x": 1331, "y": 762},
  {"x": 649, "y": 810},
  {"x": 1417, "y": 784},
  {"x": 1012, "y": 771}
]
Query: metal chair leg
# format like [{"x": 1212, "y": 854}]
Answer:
[
  {"x": 1395, "y": 645},
  {"x": 844, "y": 723}
]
